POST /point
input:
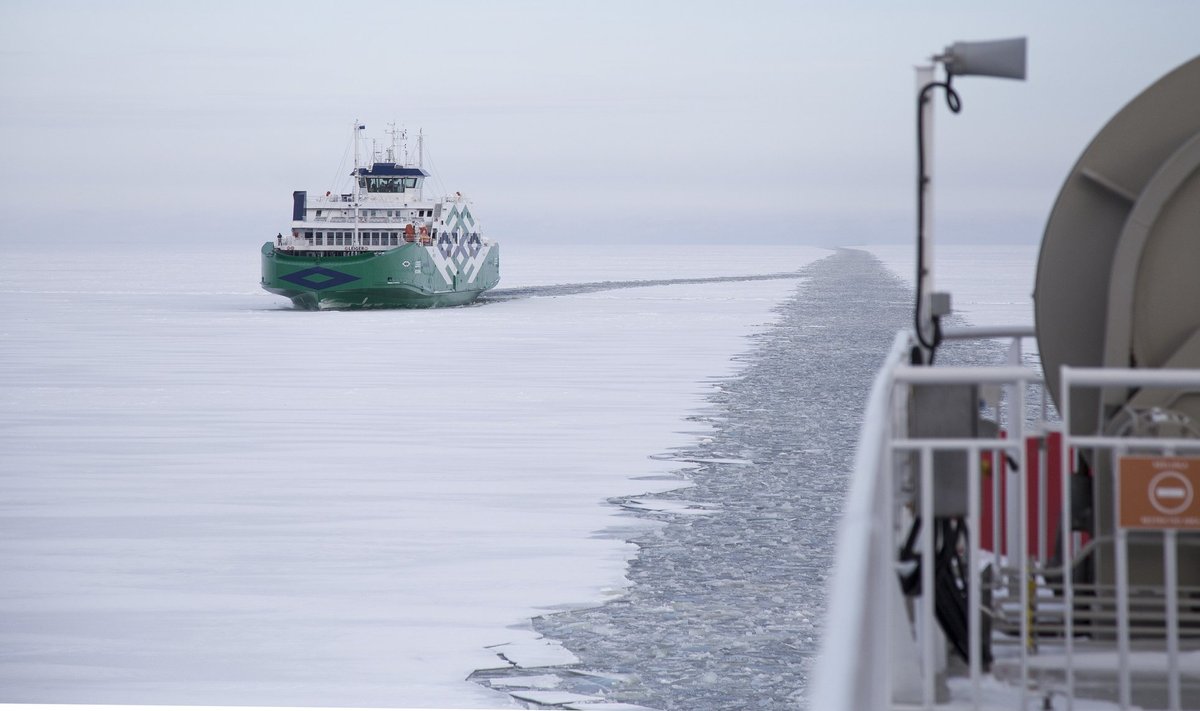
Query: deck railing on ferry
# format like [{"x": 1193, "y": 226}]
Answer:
[
  {"x": 882, "y": 650},
  {"x": 393, "y": 238}
]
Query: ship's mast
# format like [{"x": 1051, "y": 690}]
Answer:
[
  {"x": 391, "y": 131},
  {"x": 357, "y": 127},
  {"x": 420, "y": 161}
]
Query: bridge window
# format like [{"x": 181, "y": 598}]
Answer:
[
  {"x": 410, "y": 182},
  {"x": 320, "y": 238},
  {"x": 383, "y": 185}
]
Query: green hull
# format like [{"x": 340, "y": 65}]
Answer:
[{"x": 409, "y": 276}]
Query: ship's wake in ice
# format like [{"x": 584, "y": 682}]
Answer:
[
  {"x": 595, "y": 286},
  {"x": 727, "y": 596}
]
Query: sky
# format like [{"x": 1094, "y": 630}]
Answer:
[{"x": 713, "y": 122}]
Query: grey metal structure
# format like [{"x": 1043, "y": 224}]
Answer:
[{"x": 1118, "y": 285}]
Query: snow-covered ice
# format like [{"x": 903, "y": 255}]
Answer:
[
  {"x": 209, "y": 498},
  {"x": 532, "y": 681},
  {"x": 989, "y": 285},
  {"x": 554, "y": 698},
  {"x": 534, "y": 653}
]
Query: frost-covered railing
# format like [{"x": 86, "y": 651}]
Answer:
[{"x": 881, "y": 650}]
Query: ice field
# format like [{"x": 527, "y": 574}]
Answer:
[
  {"x": 207, "y": 497},
  {"x": 210, "y": 498}
]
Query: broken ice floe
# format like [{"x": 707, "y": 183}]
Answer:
[
  {"x": 670, "y": 506},
  {"x": 553, "y": 698},
  {"x": 530, "y": 681},
  {"x": 606, "y": 706},
  {"x": 535, "y": 653}
]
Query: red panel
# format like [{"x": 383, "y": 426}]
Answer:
[
  {"x": 985, "y": 499},
  {"x": 1053, "y": 452}
]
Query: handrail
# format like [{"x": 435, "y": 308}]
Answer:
[
  {"x": 862, "y": 575},
  {"x": 952, "y": 333},
  {"x": 1077, "y": 377},
  {"x": 874, "y": 655}
]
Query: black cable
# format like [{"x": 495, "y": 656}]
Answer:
[
  {"x": 950, "y": 581},
  {"x": 954, "y": 103}
]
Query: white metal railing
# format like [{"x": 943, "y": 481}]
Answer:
[
  {"x": 344, "y": 201},
  {"x": 857, "y": 642},
  {"x": 1073, "y": 378},
  {"x": 876, "y": 653},
  {"x": 340, "y": 200},
  {"x": 349, "y": 244},
  {"x": 366, "y": 239}
]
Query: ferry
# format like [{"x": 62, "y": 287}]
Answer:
[
  {"x": 382, "y": 244},
  {"x": 1027, "y": 534}
]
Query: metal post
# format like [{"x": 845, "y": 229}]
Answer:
[
  {"x": 927, "y": 626},
  {"x": 1171, "y": 580},
  {"x": 1022, "y": 524},
  {"x": 1043, "y": 521},
  {"x": 1068, "y": 541},
  {"x": 925, "y": 75},
  {"x": 974, "y": 594},
  {"x": 354, "y": 184},
  {"x": 997, "y": 463},
  {"x": 1122, "y": 571},
  {"x": 1068, "y": 537}
]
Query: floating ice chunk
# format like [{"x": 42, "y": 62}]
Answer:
[
  {"x": 533, "y": 681},
  {"x": 536, "y": 653},
  {"x": 672, "y": 506},
  {"x": 613, "y": 676},
  {"x": 717, "y": 460},
  {"x": 553, "y": 698},
  {"x": 607, "y": 706}
]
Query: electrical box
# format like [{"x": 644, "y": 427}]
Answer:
[{"x": 945, "y": 412}]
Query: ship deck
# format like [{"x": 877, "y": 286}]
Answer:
[{"x": 1126, "y": 645}]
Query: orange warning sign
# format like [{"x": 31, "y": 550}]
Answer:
[{"x": 1160, "y": 492}]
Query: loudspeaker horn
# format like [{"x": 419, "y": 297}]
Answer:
[{"x": 995, "y": 58}]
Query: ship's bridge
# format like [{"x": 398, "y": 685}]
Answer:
[{"x": 390, "y": 178}]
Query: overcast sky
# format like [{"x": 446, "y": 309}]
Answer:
[{"x": 747, "y": 121}]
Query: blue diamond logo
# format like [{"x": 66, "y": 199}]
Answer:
[{"x": 317, "y": 278}]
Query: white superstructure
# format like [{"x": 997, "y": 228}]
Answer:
[{"x": 385, "y": 208}]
